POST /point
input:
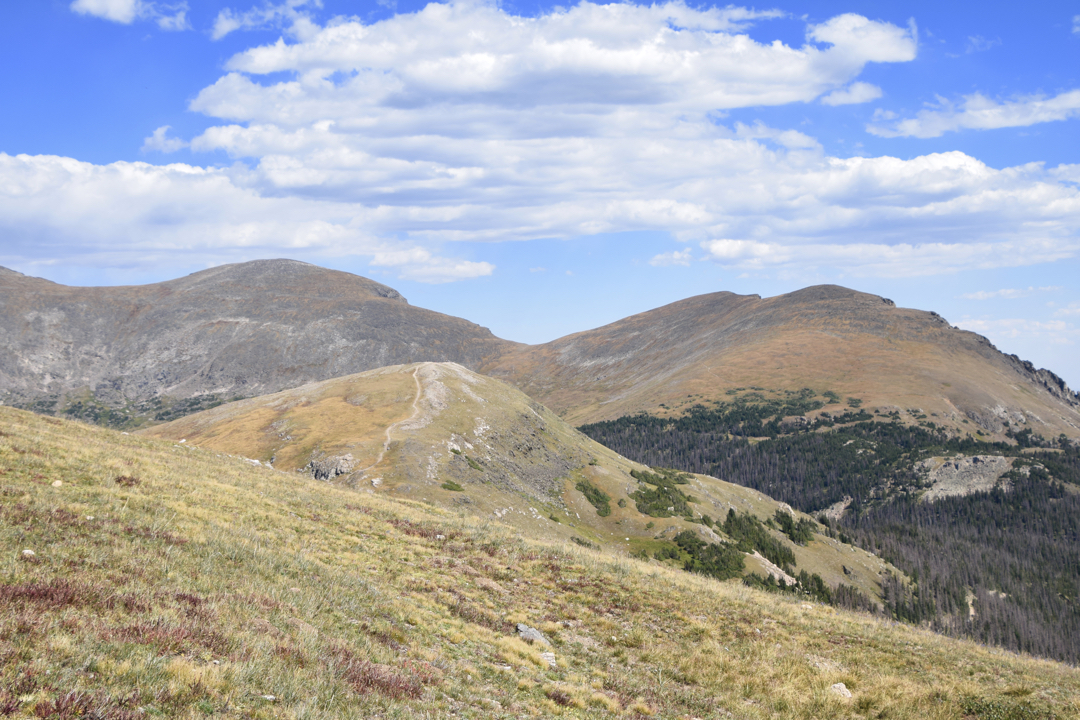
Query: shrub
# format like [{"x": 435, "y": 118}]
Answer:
[{"x": 599, "y": 499}]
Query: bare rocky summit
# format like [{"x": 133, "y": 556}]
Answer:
[{"x": 235, "y": 330}]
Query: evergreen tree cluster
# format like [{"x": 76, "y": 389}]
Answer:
[
  {"x": 597, "y": 497},
  {"x": 718, "y": 560},
  {"x": 663, "y": 498},
  {"x": 1012, "y": 556},
  {"x": 800, "y": 532},
  {"x": 750, "y": 534}
]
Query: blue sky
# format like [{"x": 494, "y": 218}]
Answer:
[{"x": 542, "y": 169}]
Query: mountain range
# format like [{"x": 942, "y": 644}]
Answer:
[
  {"x": 824, "y": 442},
  {"x": 126, "y": 355}
]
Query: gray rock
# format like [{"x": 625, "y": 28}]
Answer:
[
  {"x": 529, "y": 634},
  {"x": 329, "y": 467}
]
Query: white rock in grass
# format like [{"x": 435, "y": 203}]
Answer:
[
  {"x": 29, "y": 553},
  {"x": 841, "y": 690},
  {"x": 529, "y": 634}
]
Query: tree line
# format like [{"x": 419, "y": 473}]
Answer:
[{"x": 1011, "y": 555}]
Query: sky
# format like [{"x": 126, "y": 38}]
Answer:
[{"x": 542, "y": 169}]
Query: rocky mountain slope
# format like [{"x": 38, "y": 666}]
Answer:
[
  {"x": 442, "y": 434},
  {"x": 235, "y": 330},
  {"x": 826, "y": 338},
  {"x": 125, "y": 356},
  {"x": 146, "y": 578}
]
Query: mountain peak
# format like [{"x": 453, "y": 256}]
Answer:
[{"x": 286, "y": 276}]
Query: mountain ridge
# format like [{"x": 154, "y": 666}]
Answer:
[
  {"x": 244, "y": 329},
  {"x": 825, "y": 337},
  {"x": 137, "y": 354}
]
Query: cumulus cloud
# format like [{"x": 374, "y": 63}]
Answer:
[
  {"x": 464, "y": 122},
  {"x": 580, "y": 65},
  {"x": 159, "y": 141},
  {"x": 288, "y": 14},
  {"x": 1007, "y": 293},
  {"x": 168, "y": 16},
  {"x": 124, "y": 212},
  {"x": 978, "y": 112},
  {"x": 677, "y": 257},
  {"x": 1076, "y": 24},
  {"x": 854, "y": 94}
]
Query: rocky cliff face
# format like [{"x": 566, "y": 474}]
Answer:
[{"x": 244, "y": 329}]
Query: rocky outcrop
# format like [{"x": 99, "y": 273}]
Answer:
[
  {"x": 1046, "y": 380},
  {"x": 329, "y": 467},
  {"x": 962, "y": 475}
]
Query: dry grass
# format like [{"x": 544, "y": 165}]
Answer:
[
  {"x": 466, "y": 416},
  {"x": 213, "y": 587}
]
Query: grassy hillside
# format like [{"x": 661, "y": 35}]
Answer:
[
  {"x": 443, "y": 434},
  {"x": 141, "y": 577}
]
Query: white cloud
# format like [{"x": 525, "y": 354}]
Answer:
[
  {"x": 1076, "y": 24},
  {"x": 121, "y": 11},
  {"x": 160, "y": 142},
  {"x": 977, "y": 112},
  {"x": 463, "y": 122},
  {"x": 175, "y": 21},
  {"x": 419, "y": 264},
  {"x": 855, "y": 93},
  {"x": 168, "y": 16},
  {"x": 286, "y": 14},
  {"x": 1053, "y": 331},
  {"x": 130, "y": 213},
  {"x": 677, "y": 257},
  {"x": 1072, "y": 309},
  {"x": 791, "y": 139},
  {"x": 884, "y": 260},
  {"x": 977, "y": 43},
  {"x": 579, "y": 64},
  {"x": 1007, "y": 293}
]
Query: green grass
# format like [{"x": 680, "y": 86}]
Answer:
[{"x": 167, "y": 580}]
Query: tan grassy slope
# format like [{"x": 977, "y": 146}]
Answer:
[
  {"x": 443, "y": 434},
  {"x": 168, "y": 580},
  {"x": 827, "y": 338}
]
